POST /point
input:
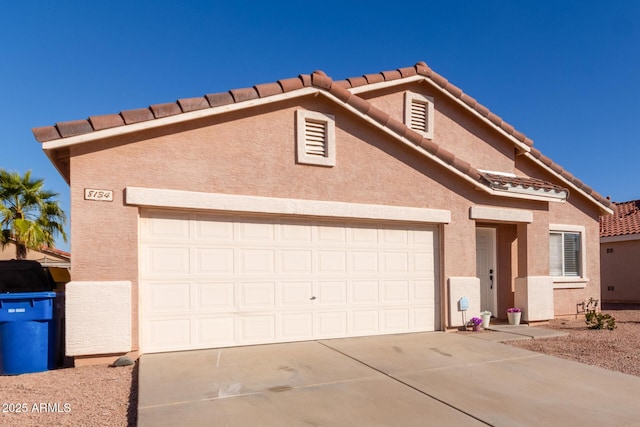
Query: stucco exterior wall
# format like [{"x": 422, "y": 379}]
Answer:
[
  {"x": 620, "y": 271},
  {"x": 253, "y": 153},
  {"x": 454, "y": 129}
]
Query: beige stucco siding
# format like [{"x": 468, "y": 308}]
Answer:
[
  {"x": 253, "y": 153},
  {"x": 454, "y": 128}
]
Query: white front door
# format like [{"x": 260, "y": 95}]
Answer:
[
  {"x": 486, "y": 267},
  {"x": 209, "y": 280}
]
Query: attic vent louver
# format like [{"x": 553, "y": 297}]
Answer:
[
  {"x": 315, "y": 138},
  {"x": 418, "y": 113},
  {"x": 419, "y": 118}
]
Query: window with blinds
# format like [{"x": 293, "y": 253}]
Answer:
[
  {"x": 418, "y": 113},
  {"x": 315, "y": 138},
  {"x": 565, "y": 254}
]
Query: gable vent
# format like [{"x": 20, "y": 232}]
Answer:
[
  {"x": 315, "y": 136},
  {"x": 419, "y": 119},
  {"x": 418, "y": 113}
]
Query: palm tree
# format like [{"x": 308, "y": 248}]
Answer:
[{"x": 30, "y": 217}]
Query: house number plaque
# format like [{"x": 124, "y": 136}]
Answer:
[{"x": 100, "y": 195}]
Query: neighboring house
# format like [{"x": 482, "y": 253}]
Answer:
[
  {"x": 310, "y": 208},
  {"x": 57, "y": 262},
  {"x": 620, "y": 253}
]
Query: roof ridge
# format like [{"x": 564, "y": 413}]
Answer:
[{"x": 340, "y": 89}]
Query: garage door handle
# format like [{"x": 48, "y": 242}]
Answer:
[{"x": 312, "y": 298}]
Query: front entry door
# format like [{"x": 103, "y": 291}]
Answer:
[{"x": 486, "y": 268}]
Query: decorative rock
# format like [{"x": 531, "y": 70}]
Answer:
[{"x": 122, "y": 361}]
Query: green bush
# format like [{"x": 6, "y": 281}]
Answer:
[{"x": 600, "y": 321}]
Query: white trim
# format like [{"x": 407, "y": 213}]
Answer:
[
  {"x": 409, "y": 98},
  {"x": 490, "y": 213},
  {"x": 622, "y": 238},
  {"x": 559, "y": 228},
  {"x": 569, "y": 282},
  {"x": 178, "y": 118},
  {"x": 156, "y": 197},
  {"x": 567, "y": 182},
  {"x": 329, "y": 141}
]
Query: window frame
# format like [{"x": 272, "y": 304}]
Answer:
[{"x": 581, "y": 279}]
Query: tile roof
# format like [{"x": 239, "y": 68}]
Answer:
[
  {"x": 506, "y": 182},
  {"x": 625, "y": 220},
  {"x": 340, "y": 89}
]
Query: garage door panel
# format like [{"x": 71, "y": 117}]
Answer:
[
  {"x": 255, "y": 232},
  {"x": 256, "y": 329},
  {"x": 257, "y": 261},
  {"x": 257, "y": 296},
  {"x": 163, "y": 261},
  {"x": 215, "y": 331},
  {"x": 365, "y": 322},
  {"x": 214, "y": 261},
  {"x": 395, "y": 291},
  {"x": 364, "y": 262},
  {"x": 296, "y": 294},
  {"x": 331, "y": 324},
  {"x": 332, "y": 262},
  {"x": 296, "y": 326},
  {"x": 169, "y": 333},
  {"x": 210, "y": 229},
  {"x": 365, "y": 292},
  {"x": 169, "y": 297},
  {"x": 331, "y": 293},
  {"x": 215, "y": 297},
  {"x": 222, "y": 280},
  {"x": 395, "y": 262},
  {"x": 395, "y": 320},
  {"x": 296, "y": 261}
]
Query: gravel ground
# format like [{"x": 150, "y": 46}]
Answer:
[
  {"x": 105, "y": 396},
  {"x": 617, "y": 350},
  {"x": 84, "y": 396}
]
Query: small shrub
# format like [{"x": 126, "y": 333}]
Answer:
[{"x": 597, "y": 320}]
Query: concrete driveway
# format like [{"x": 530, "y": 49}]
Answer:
[{"x": 428, "y": 379}]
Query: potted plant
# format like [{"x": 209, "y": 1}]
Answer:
[
  {"x": 514, "y": 314},
  {"x": 486, "y": 319},
  {"x": 475, "y": 323}
]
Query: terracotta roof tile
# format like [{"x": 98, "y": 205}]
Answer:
[
  {"x": 193, "y": 104},
  {"x": 73, "y": 128},
  {"x": 244, "y": 94},
  {"x": 525, "y": 182},
  {"x": 374, "y": 78},
  {"x": 407, "y": 71},
  {"x": 391, "y": 75},
  {"x": 165, "y": 110},
  {"x": 268, "y": 89},
  {"x": 137, "y": 115},
  {"x": 218, "y": 99},
  {"x": 46, "y": 133},
  {"x": 320, "y": 80},
  {"x": 357, "y": 81},
  {"x": 291, "y": 84},
  {"x": 625, "y": 220},
  {"x": 106, "y": 121}
]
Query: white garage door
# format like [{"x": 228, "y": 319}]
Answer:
[{"x": 214, "y": 281}]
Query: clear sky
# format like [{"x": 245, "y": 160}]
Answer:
[{"x": 564, "y": 73}]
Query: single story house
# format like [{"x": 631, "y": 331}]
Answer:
[
  {"x": 310, "y": 208},
  {"x": 620, "y": 252}
]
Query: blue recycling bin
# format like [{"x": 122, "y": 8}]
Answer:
[{"x": 27, "y": 332}]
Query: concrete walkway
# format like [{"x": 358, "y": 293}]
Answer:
[
  {"x": 425, "y": 379},
  {"x": 504, "y": 333}
]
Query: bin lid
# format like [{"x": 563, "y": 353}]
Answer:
[
  {"x": 27, "y": 295},
  {"x": 24, "y": 276}
]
